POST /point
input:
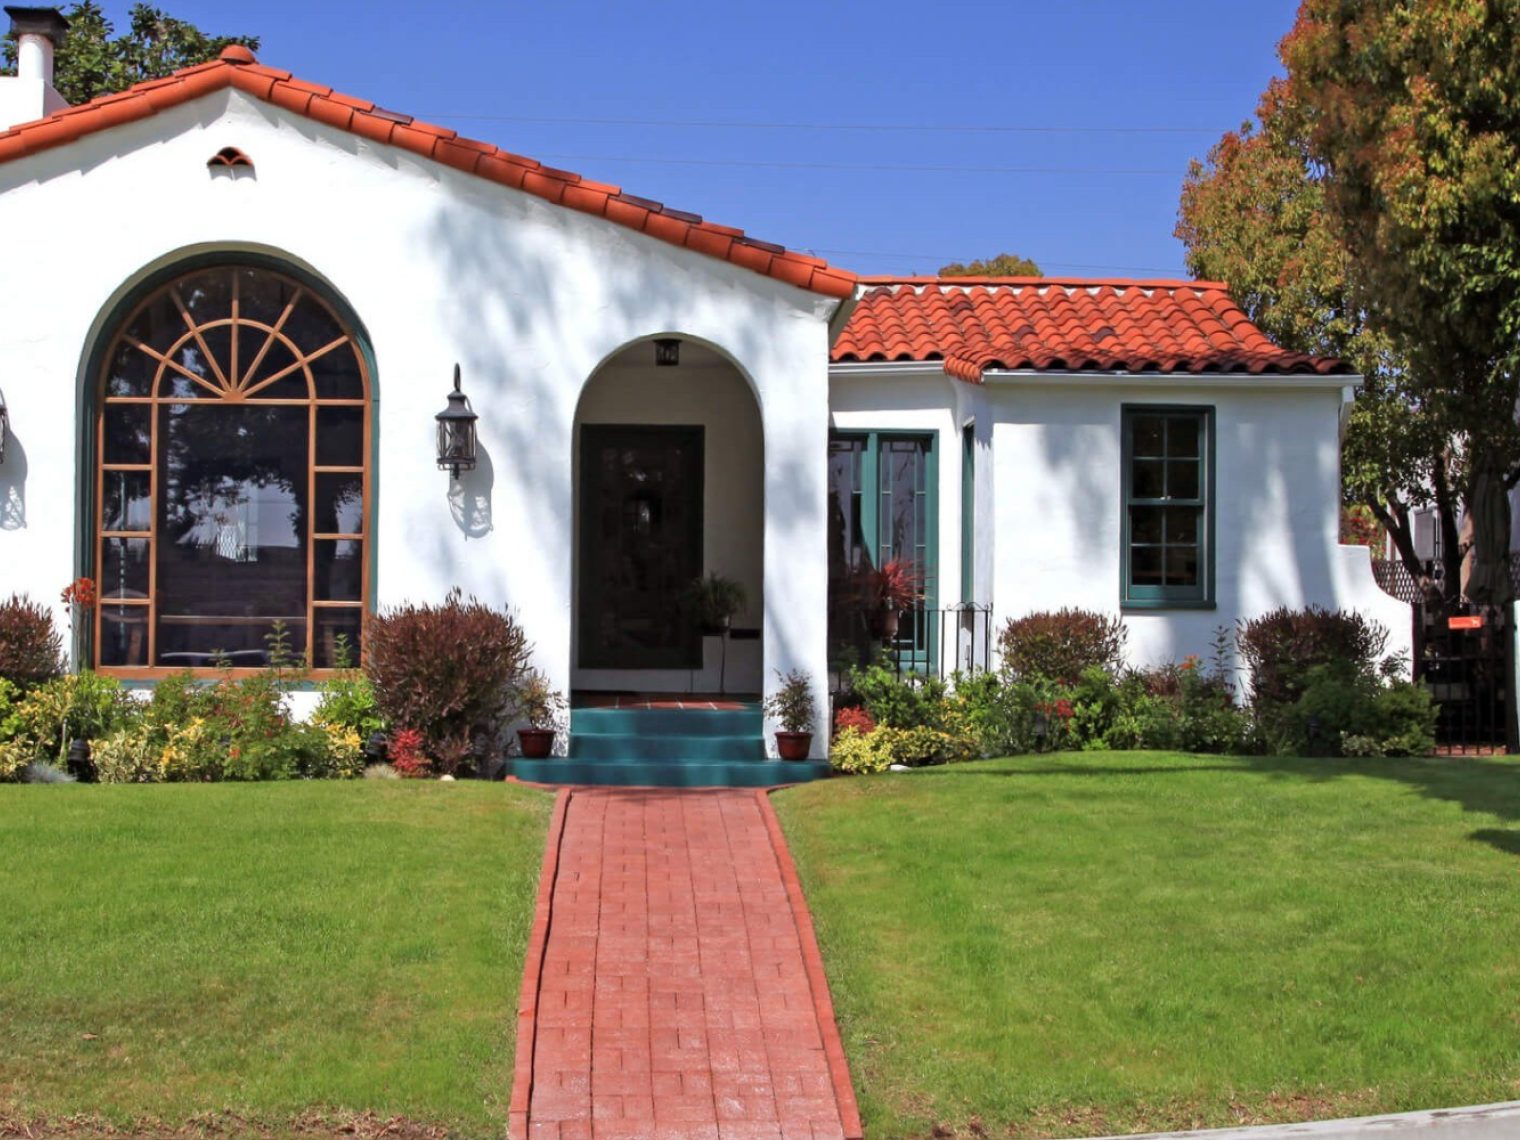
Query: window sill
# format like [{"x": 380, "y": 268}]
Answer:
[{"x": 1146, "y": 605}]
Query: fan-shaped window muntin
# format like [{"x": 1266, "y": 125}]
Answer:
[{"x": 233, "y": 477}]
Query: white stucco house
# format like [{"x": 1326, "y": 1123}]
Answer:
[{"x": 234, "y": 300}]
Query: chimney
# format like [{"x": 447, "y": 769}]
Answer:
[{"x": 29, "y": 94}]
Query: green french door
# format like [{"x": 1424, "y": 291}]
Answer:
[
  {"x": 883, "y": 492},
  {"x": 640, "y": 545}
]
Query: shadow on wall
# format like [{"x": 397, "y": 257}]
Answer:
[
  {"x": 511, "y": 299},
  {"x": 13, "y": 485},
  {"x": 470, "y": 496}
]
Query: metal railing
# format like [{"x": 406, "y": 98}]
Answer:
[{"x": 929, "y": 642}]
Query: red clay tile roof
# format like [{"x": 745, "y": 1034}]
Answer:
[
  {"x": 238, "y": 68},
  {"x": 1049, "y": 325}
]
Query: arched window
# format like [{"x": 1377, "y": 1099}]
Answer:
[{"x": 233, "y": 477}]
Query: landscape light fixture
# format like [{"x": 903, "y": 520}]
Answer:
[
  {"x": 667, "y": 352},
  {"x": 456, "y": 432}
]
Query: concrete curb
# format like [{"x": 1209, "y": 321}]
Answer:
[
  {"x": 1478, "y": 1122},
  {"x": 823, "y": 1003},
  {"x": 533, "y": 965}
]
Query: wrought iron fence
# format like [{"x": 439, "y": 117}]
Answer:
[
  {"x": 1464, "y": 654},
  {"x": 928, "y": 642}
]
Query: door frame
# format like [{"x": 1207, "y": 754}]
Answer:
[{"x": 688, "y": 655}]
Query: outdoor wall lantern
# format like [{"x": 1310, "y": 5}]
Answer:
[
  {"x": 667, "y": 352},
  {"x": 5, "y": 423},
  {"x": 456, "y": 432}
]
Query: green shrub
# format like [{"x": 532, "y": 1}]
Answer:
[
  {"x": 907, "y": 701},
  {"x": 41, "y": 724},
  {"x": 1280, "y": 648},
  {"x": 231, "y": 729},
  {"x": 31, "y": 651},
  {"x": 347, "y": 701},
  {"x": 1060, "y": 645},
  {"x": 448, "y": 671},
  {"x": 859, "y": 752},
  {"x": 1347, "y": 711}
]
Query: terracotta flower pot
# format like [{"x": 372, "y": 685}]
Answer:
[
  {"x": 536, "y": 743},
  {"x": 794, "y": 745}
]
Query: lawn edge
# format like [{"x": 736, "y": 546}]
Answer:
[
  {"x": 818, "y": 982},
  {"x": 533, "y": 962}
]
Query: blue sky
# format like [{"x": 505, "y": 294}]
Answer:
[{"x": 792, "y": 119}]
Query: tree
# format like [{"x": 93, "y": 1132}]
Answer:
[
  {"x": 1412, "y": 110},
  {"x": 1254, "y": 216},
  {"x": 1003, "y": 265},
  {"x": 89, "y": 63}
]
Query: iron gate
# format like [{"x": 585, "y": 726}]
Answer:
[{"x": 1465, "y": 659}]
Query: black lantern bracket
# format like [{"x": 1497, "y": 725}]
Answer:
[{"x": 456, "y": 432}]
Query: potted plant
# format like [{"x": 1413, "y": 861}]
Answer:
[
  {"x": 889, "y": 589},
  {"x": 542, "y": 706},
  {"x": 792, "y": 705},
  {"x": 713, "y": 601}
]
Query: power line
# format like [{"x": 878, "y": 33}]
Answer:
[
  {"x": 860, "y": 166},
  {"x": 740, "y": 124}
]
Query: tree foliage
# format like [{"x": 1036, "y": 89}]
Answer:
[
  {"x": 90, "y": 62},
  {"x": 1254, "y": 215},
  {"x": 1412, "y": 110},
  {"x": 1003, "y": 265}
]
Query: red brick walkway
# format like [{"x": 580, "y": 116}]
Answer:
[{"x": 680, "y": 993}]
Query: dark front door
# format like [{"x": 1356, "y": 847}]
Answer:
[{"x": 641, "y": 545}]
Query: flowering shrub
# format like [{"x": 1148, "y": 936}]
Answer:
[{"x": 80, "y": 593}]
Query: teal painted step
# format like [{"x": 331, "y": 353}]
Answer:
[
  {"x": 660, "y": 774},
  {"x": 666, "y": 722},
  {"x": 639, "y": 746}
]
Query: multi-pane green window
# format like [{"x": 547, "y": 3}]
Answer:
[
  {"x": 882, "y": 489},
  {"x": 1168, "y": 508}
]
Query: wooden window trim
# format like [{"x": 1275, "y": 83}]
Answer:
[{"x": 228, "y": 385}]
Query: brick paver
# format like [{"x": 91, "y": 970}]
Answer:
[{"x": 675, "y": 997}]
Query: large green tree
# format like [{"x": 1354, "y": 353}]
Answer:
[
  {"x": 1003, "y": 265},
  {"x": 1254, "y": 215},
  {"x": 94, "y": 61},
  {"x": 1411, "y": 108}
]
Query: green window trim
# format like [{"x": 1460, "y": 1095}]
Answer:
[
  {"x": 1180, "y": 516},
  {"x": 968, "y": 512},
  {"x": 916, "y": 647}
]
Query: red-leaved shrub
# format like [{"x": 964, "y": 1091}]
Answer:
[
  {"x": 1060, "y": 644},
  {"x": 1279, "y": 648},
  {"x": 406, "y": 755},
  {"x": 30, "y": 649},
  {"x": 448, "y": 671},
  {"x": 854, "y": 717}
]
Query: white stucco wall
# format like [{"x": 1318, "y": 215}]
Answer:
[
  {"x": 530, "y": 298},
  {"x": 1048, "y": 495}
]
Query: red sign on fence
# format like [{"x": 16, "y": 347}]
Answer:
[{"x": 1473, "y": 621}]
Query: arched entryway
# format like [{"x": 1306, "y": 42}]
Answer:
[{"x": 669, "y": 487}]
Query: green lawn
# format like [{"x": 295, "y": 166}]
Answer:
[
  {"x": 267, "y": 951},
  {"x": 1105, "y": 942}
]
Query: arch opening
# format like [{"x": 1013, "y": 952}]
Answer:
[{"x": 669, "y": 477}]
